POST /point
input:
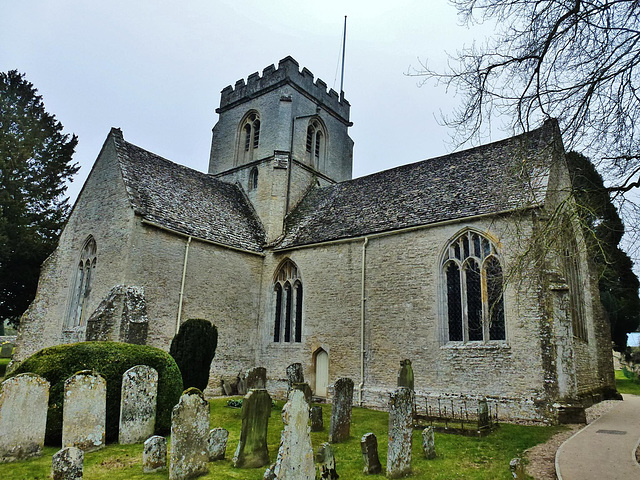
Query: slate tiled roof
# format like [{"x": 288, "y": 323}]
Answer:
[
  {"x": 186, "y": 200},
  {"x": 497, "y": 177}
]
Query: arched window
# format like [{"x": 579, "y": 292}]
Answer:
[
  {"x": 315, "y": 142},
  {"x": 81, "y": 287},
  {"x": 249, "y": 138},
  {"x": 288, "y": 296},
  {"x": 473, "y": 280},
  {"x": 576, "y": 289},
  {"x": 253, "y": 179}
]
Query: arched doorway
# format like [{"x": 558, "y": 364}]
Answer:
[{"x": 322, "y": 373}]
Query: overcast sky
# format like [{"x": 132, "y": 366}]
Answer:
[{"x": 156, "y": 68}]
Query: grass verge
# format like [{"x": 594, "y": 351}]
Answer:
[
  {"x": 627, "y": 385},
  {"x": 458, "y": 457}
]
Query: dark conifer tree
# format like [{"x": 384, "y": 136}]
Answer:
[
  {"x": 604, "y": 230},
  {"x": 35, "y": 164},
  {"x": 193, "y": 349}
]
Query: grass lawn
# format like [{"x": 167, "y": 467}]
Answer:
[
  {"x": 458, "y": 457},
  {"x": 626, "y": 385}
]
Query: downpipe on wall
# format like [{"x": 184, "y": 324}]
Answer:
[
  {"x": 184, "y": 276},
  {"x": 363, "y": 301}
]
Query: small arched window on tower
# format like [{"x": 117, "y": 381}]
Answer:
[
  {"x": 287, "y": 291},
  {"x": 249, "y": 137},
  {"x": 316, "y": 140},
  {"x": 81, "y": 287},
  {"x": 253, "y": 179},
  {"x": 473, "y": 288}
]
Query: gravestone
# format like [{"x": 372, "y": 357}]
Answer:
[
  {"x": 341, "y": 410},
  {"x": 241, "y": 386},
  {"x": 256, "y": 378},
  {"x": 327, "y": 462},
  {"x": 405, "y": 376},
  {"x": 369, "y": 447},
  {"x": 317, "y": 423},
  {"x": 428, "y": 443},
  {"x": 306, "y": 389},
  {"x": 84, "y": 411},
  {"x": 295, "y": 374},
  {"x": 138, "y": 404},
  {"x": 252, "y": 449},
  {"x": 217, "y": 443},
  {"x": 154, "y": 455},
  {"x": 401, "y": 408},
  {"x": 7, "y": 350},
  {"x": 189, "y": 436},
  {"x": 23, "y": 416},
  {"x": 67, "y": 464},
  {"x": 483, "y": 414},
  {"x": 295, "y": 455}
]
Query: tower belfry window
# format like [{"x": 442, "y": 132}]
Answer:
[
  {"x": 315, "y": 145},
  {"x": 250, "y": 138}
]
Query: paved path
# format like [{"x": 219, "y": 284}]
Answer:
[{"x": 606, "y": 448}]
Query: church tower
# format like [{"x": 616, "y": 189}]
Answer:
[{"x": 278, "y": 135}]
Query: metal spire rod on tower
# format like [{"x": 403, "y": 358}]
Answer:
[{"x": 344, "y": 42}]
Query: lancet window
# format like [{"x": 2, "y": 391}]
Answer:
[
  {"x": 81, "y": 287},
  {"x": 249, "y": 137},
  {"x": 288, "y": 296},
  {"x": 316, "y": 139}
]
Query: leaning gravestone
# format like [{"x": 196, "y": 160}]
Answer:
[
  {"x": 23, "y": 416},
  {"x": 400, "y": 433},
  {"x": 154, "y": 454},
  {"x": 189, "y": 436},
  {"x": 67, "y": 464},
  {"x": 84, "y": 411},
  {"x": 428, "y": 443},
  {"x": 405, "y": 376},
  {"x": 252, "y": 449},
  {"x": 369, "y": 446},
  {"x": 341, "y": 410},
  {"x": 327, "y": 462},
  {"x": 218, "y": 443},
  {"x": 138, "y": 404},
  {"x": 295, "y": 455},
  {"x": 256, "y": 378},
  {"x": 317, "y": 423},
  {"x": 295, "y": 374}
]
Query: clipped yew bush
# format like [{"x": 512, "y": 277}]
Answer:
[
  {"x": 193, "y": 349},
  {"x": 111, "y": 360}
]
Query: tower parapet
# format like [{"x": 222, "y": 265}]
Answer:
[{"x": 288, "y": 71}]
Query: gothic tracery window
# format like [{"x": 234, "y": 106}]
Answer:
[
  {"x": 287, "y": 304},
  {"x": 81, "y": 287},
  {"x": 473, "y": 280},
  {"x": 315, "y": 146},
  {"x": 249, "y": 137}
]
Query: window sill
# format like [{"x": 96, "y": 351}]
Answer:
[{"x": 492, "y": 345}]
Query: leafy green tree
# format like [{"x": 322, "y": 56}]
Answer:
[
  {"x": 35, "y": 164},
  {"x": 618, "y": 284}
]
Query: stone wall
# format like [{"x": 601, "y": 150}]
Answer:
[{"x": 103, "y": 211}]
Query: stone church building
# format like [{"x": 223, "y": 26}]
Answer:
[{"x": 470, "y": 264}]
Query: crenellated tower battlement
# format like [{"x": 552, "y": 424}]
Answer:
[{"x": 288, "y": 71}]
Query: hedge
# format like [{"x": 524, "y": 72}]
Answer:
[{"x": 111, "y": 360}]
